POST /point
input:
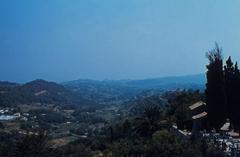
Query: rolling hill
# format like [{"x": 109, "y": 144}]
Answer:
[
  {"x": 39, "y": 91},
  {"x": 89, "y": 92},
  {"x": 117, "y": 90}
]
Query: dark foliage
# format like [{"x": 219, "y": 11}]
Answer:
[
  {"x": 215, "y": 89},
  {"x": 222, "y": 90}
]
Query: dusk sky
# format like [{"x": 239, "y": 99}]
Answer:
[{"x": 60, "y": 40}]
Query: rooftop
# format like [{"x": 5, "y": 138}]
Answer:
[
  {"x": 201, "y": 115},
  {"x": 196, "y": 105},
  {"x": 226, "y": 126}
]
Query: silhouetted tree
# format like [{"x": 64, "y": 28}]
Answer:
[
  {"x": 232, "y": 87},
  {"x": 236, "y": 108},
  {"x": 229, "y": 87},
  {"x": 215, "y": 89}
]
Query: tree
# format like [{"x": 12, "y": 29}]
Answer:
[
  {"x": 147, "y": 125},
  {"x": 166, "y": 144},
  {"x": 229, "y": 87},
  {"x": 1, "y": 126},
  {"x": 72, "y": 150},
  {"x": 232, "y": 87},
  {"x": 32, "y": 145},
  {"x": 215, "y": 89},
  {"x": 236, "y": 115}
]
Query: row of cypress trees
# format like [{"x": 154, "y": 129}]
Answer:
[{"x": 222, "y": 90}]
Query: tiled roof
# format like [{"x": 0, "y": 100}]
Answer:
[
  {"x": 201, "y": 115},
  {"x": 196, "y": 105}
]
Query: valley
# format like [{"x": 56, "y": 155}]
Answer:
[{"x": 78, "y": 110}]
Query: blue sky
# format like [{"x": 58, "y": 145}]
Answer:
[{"x": 62, "y": 40}]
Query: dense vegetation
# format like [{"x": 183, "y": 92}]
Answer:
[{"x": 147, "y": 135}]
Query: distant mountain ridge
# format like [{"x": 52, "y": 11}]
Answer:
[
  {"x": 187, "y": 81},
  {"x": 8, "y": 84},
  {"x": 39, "y": 91},
  {"x": 115, "y": 91},
  {"x": 168, "y": 83},
  {"x": 92, "y": 92},
  {"x": 29, "y": 93}
]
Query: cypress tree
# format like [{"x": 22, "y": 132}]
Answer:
[
  {"x": 229, "y": 77},
  {"x": 236, "y": 95},
  {"x": 232, "y": 87},
  {"x": 215, "y": 90}
]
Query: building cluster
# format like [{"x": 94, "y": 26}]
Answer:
[
  {"x": 8, "y": 114},
  {"x": 226, "y": 139}
]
